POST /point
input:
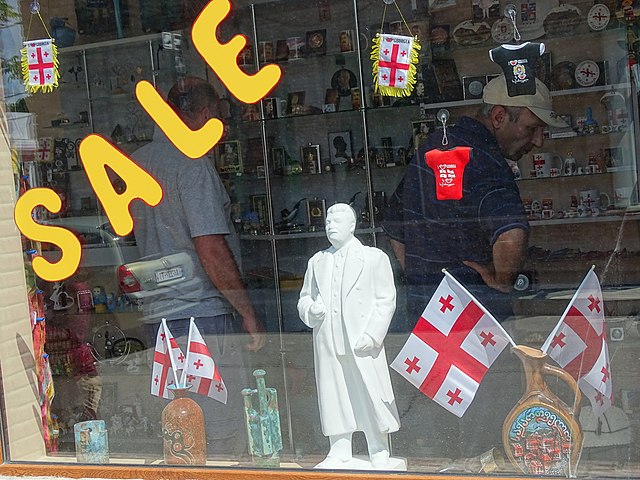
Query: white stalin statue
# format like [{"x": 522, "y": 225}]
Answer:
[{"x": 348, "y": 299}]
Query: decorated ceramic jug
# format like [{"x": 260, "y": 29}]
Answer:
[
  {"x": 185, "y": 442},
  {"x": 542, "y": 435}
]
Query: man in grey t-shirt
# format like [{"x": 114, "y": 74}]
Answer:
[{"x": 193, "y": 219}]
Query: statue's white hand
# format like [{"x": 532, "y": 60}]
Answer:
[
  {"x": 317, "y": 309},
  {"x": 364, "y": 344}
]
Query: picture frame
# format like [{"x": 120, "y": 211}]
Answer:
[
  {"x": 228, "y": 157},
  {"x": 422, "y": 129},
  {"x": 486, "y": 10},
  {"x": 386, "y": 145},
  {"x": 331, "y": 100},
  {"x": 310, "y": 159},
  {"x": 613, "y": 157},
  {"x": 316, "y": 213},
  {"x": 346, "y": 39},
  {"x": 277, "y": 160},
  {"x": 436, "y": 5},
  {"x": 272, "y": 107},
  {"x": 543, "y": 69},
  {"x": 473, "y": 86},
  {"x": 259, "y": 206},
  {"x": 447, "y": 79},
  {"x": 282, "y": 51},
  {"x": 316, "y": 42},
  {"x": 295, "y": 103},
  {"x": 340, "y": 147}
]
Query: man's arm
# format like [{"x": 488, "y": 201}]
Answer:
[
  {"x": 217, "y": 259},
  {"x": 508, "y": 256},
  {"x": 398, "y": 251}
]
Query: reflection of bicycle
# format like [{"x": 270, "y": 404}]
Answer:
[{"x": 112, "y": 346}]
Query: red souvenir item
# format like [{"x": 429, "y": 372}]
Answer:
[{"x": 448, "y": 168}]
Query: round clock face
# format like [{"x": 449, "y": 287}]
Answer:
[
  {"x": 598, "y": 17},
  {"x": 587, "y": 73}
]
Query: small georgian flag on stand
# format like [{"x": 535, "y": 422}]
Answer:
[
  {"x": 451, "y": 348},
  {"x": 200, "y": 370},
  {"x": 579, "y": 344},
  {"x": 168, "y": 361}
]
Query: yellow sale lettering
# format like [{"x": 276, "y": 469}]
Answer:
[
  {"x": 95, "y": 154},
  {"x": 192, "y": 144},
  {"x": 63, "y": 238},
  {"x": 222, "y": 57}
]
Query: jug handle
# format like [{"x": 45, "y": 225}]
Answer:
[{"x": 563, "y": 375}]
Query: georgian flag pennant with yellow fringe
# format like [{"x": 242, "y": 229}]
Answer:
[
  {"x": 40, "y": 65},
  {"x": 394, "y": 64}
]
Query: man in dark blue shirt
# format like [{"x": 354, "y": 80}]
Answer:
[{"x": 480, "y": 238}]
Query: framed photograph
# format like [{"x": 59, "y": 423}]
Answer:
[
  {"x": 386, "y": 144},
  {"x": 245, "y": 57},
  {"x": 277, "y": 160},
  {"x": 228, "y": 157},
  {"x": 316, "y": 42},
  {"x": 259, "y": 205},
  {"x": 486, "y": 10},
  {"x": 420, "y": 29},
  {"x": 331, "y": 100},
  {"x": 422, "y": 129},
  {"x": 613, "y": 157},
  {"x": 473, "y": 86},
  {"x": 447, "y": 79},
  {"x": 272, "y": 107},
  {"x": 340, "y": 147},
  {"x": 295, "y": 103},
  {"x": 296, "y": 47},
  {"x": 316, "y": 213},
  {"x": 435, "y": 5},
  {"x": 282, "y": 51},
  {"x": 346, "y": 41},
  {"x": 343, "y": 81},
  {"x": 440, "y": 38},
  {"x": 310, "y": 156},
  {"x": 543, "y": 69}
]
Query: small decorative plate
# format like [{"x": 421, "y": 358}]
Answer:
[
  {"x": 587, "y": 73},
  {"x": 598, "y": 17},
  {"x": 502, "y": 31}
]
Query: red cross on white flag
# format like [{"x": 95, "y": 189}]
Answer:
[
  {"x": 200, "y": 369},
  {"x": 168, "y": 361},
  {"x": 394, "y": 60},
  {"x": 579, "y": 344},
  {"x": 451, "y": 348},
  {"x": 41, "y": 63}
]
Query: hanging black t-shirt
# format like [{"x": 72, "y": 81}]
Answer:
[{"x": 518, "y": 63}]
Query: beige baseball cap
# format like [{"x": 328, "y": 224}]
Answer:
[{"x": 495, "y": 93}]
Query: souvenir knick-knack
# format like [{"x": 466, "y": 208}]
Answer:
[
  {"x": 185, "y": 442},
  {"x": 542, "y": 435}
]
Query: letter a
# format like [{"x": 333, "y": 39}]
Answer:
[
  {"x": 95, "y": 154},
  {"x": 222, "y": 58},
  {"x": 192, "y": 144},
  {"x": 63, "y": 238}
]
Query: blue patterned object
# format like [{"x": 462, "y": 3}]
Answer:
[
  {"x": 263, "y": 422},
  {"x": 92, "y": 442}
]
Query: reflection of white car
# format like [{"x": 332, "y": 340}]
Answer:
[
  {"x": 155, "y": 276},
  {"x": 101, "y": 246}
]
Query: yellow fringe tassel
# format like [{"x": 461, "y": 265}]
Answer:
[
  {"x": 25, "y": 72},
  {"x": 411, "y": 78}
]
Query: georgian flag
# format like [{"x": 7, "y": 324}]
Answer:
[
  {"x": 579, "y": 344},
  {"x": 451, "y": 348},
  {"x": 394, "y": 60},
  {"x": 168, "y": 361},
  {"x": 41, "y": 63},
  {"x": 200, "y": 370}
]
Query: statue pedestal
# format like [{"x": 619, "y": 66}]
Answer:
[{"x": 362, "y": 462}]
